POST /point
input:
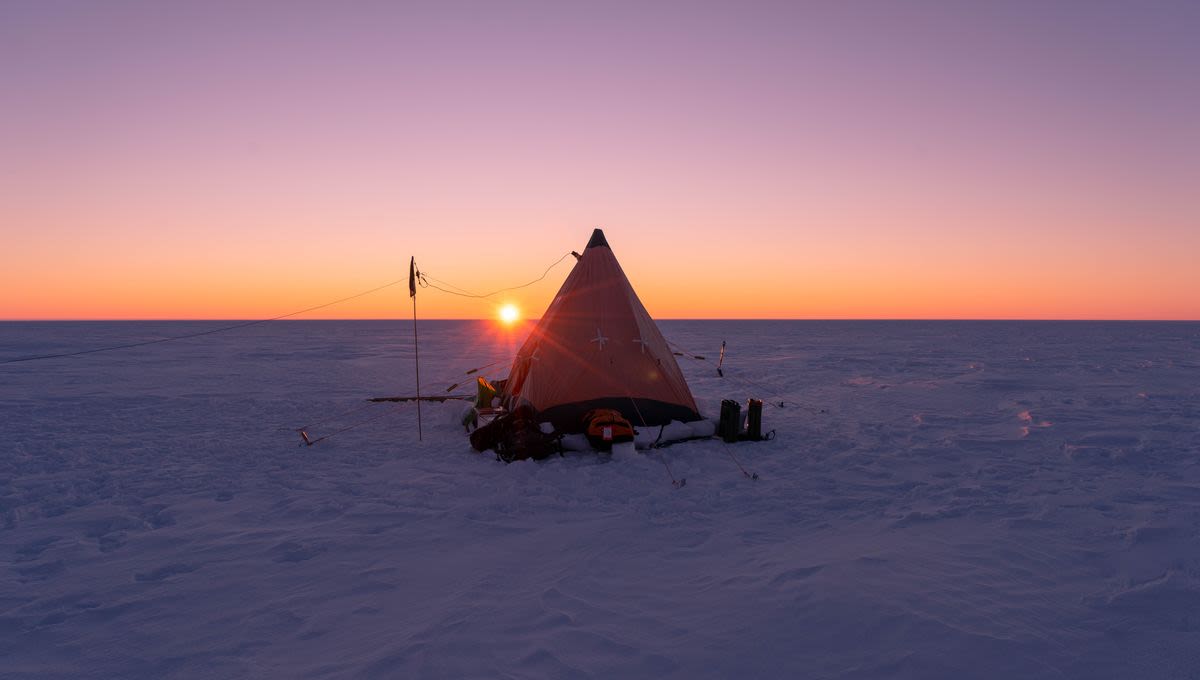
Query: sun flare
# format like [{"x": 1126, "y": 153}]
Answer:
[{"x": 509, "y": 314}]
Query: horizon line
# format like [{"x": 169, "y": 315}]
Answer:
[{"x": 669, "y": 318}]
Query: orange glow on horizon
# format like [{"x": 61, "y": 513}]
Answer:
[
  {"x": 821, "y": 278},
  {"x": 678, "y": 290}
]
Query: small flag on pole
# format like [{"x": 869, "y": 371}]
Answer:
[{"x": 412, "y": 276}]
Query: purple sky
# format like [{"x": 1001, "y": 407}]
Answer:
[{"x": 1027, "y": 159}]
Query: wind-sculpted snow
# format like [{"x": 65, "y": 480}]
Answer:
[{"x": 983, "y": 499}]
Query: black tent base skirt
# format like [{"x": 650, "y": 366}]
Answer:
[{"x": 568, "y": 418}]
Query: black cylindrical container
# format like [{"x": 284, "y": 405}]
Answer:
[
  {"x": 731, "y": 420},
  {"x": 754, "y": 420}
]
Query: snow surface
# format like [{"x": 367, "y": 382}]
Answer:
[{"x": 943, "y": 499}]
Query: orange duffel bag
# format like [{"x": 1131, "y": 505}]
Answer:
[{"x": 605, "y": 427}]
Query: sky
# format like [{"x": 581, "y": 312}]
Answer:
[{"x": 216, "y": 160}]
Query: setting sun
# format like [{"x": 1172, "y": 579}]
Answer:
[{"x": 509, "y": 314}]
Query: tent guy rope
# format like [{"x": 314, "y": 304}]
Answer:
[
  {"x": 423, "y": 279},
  {"x": 198, "y": 334},
  {"x": 420, "y": 279},
  {"x": 780, "y": 403}
]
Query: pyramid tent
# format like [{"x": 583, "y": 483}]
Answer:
[{"x": 597, "y": 347}]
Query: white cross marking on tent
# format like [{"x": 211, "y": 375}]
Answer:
[
  {"x": 599, "y": 339},
  {"x": 642, "y": 343},
  {"x": 533, "y": 356}
]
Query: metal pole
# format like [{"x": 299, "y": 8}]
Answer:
[{"x": 416, "y": 350}]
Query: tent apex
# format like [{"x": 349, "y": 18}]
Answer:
[{"x": 597, "y": 239}]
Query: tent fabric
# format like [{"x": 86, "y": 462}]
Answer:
[{"x": 597, "y": 347}]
